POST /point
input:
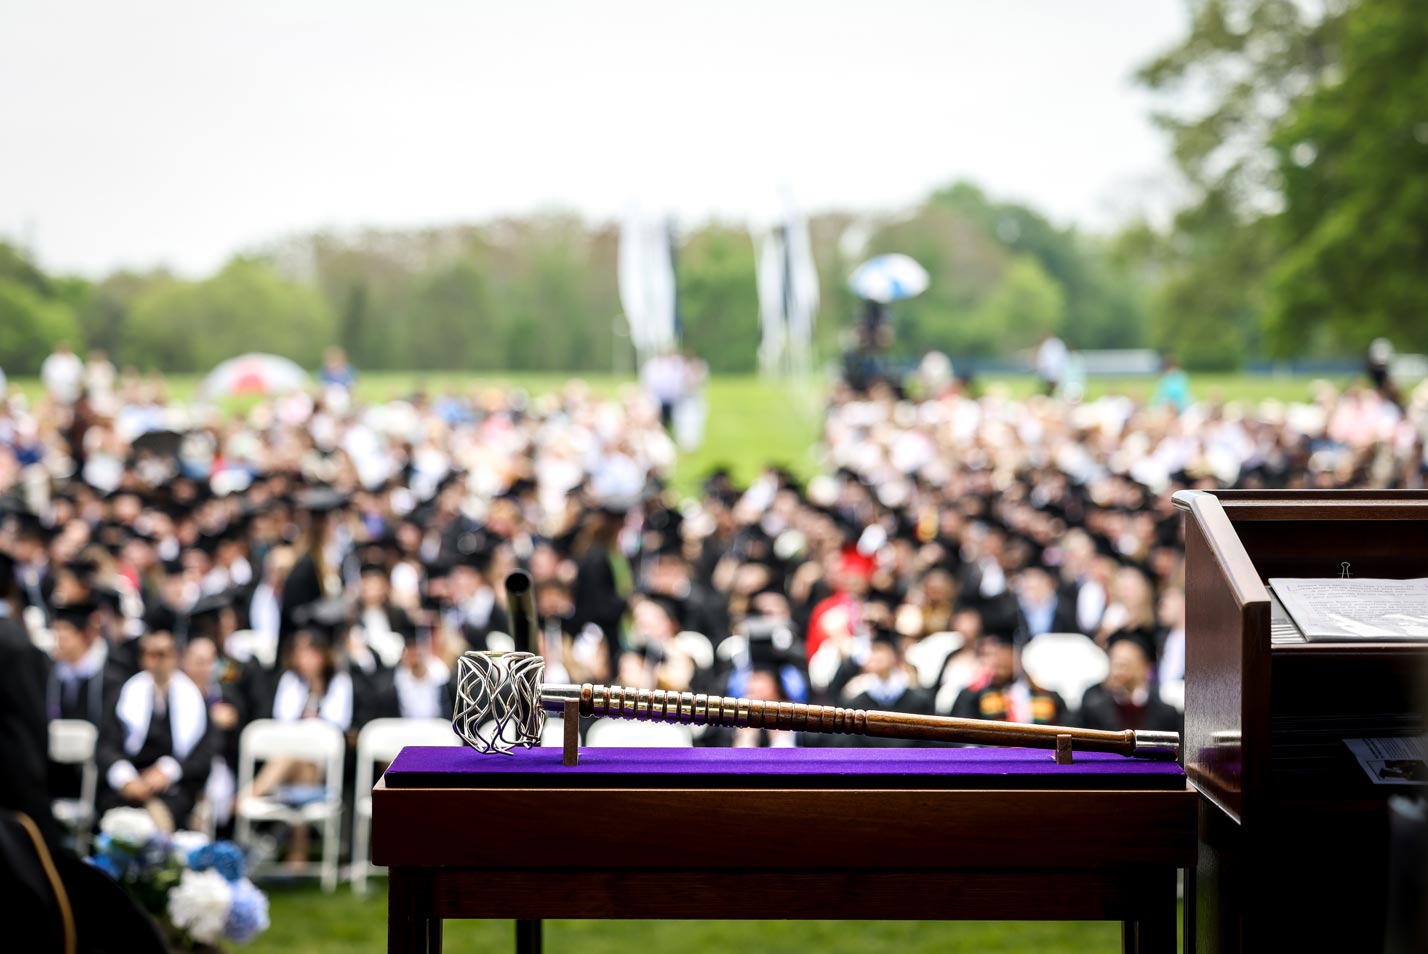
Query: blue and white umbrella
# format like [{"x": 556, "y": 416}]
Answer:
[{"x": 888, "y": 278}]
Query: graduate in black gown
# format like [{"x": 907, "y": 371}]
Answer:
[
  {"x": 156, "y": 747},
  {"x": 604, "y": 581},
  {"x": 1003, "y": 692},
  {"x": 83, "y": 683},
  {"x": 317, "y": 571},
  {"x": 83, "y": 679},
  {"x": 1127, "y": 698},
  {"x": 418, "y": 687},
  {"x": 49, "y": 898},
  {"x": 885, "y": 683}
]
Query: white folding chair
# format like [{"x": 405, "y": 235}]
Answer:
[
  {"x": 1067, "y": 663},
  {"x": 254, "y": 644},
  {"x": 309, "y": 740},
  {"x": 72, "y": 742},
  {"x": 959, "y": 672},
  {"x": 625, "y": 734},
  {"x": 379, "y": 741},
  {"x": 697, "y": 647},
  {"x": 553, "y": 735},
  {"x": 732, "y": 647},
  {"x": 930, "y": 654}
]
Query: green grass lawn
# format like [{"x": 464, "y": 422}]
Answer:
[{"x": 305, "y": 921}]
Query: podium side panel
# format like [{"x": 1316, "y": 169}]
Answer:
[{"x": 1226, "y": 663}]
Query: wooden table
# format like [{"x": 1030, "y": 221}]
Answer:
[{"x": 888, "y": 834}]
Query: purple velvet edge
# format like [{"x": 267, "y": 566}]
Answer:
[{"x": 467, "y": 763}]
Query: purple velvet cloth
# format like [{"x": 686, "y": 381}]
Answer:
[{"x": 452, "y": 767}]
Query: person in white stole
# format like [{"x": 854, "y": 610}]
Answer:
[
  {"x": 155, "y": 747},
  {"x": 312, "y": 686}
]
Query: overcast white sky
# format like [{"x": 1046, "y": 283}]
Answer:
[{"x": 139, "y": 133}]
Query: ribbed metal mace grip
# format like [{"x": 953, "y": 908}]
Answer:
[{"x": 508, "y": 690}]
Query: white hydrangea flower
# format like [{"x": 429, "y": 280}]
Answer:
[
  {"x": 129, "y": 826},
  {"x": 199, "y": 905},
  {"x": 185, "y": 842}
]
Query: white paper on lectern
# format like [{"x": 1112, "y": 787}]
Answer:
[
  {"x": 1355, "y": 609},
  {"x": 1402, "y": 761}
]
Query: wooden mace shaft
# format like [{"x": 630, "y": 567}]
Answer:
[{"x": 689, "y": 708}]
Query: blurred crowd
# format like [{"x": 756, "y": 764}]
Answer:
[{"x": 188, "y": 570}]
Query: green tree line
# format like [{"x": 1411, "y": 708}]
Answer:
[
  {"x": 541, "y": 294},
  {"x": 1297, "y": 128}
]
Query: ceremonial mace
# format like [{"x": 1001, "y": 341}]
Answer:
[{"x": 501, "y": 704}]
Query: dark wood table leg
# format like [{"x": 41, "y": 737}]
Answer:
[
  {"x": 407, "y": 922},
  {"x": 1154, "y": 930},
  {"x": 528, "y": 937}
]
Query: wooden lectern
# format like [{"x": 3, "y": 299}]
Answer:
[{"x": 1293, "y": 836}]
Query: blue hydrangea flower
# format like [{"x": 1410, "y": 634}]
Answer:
[
  {"x": 103, "y": 845},
  {"x": 248, "y": 915},
  {"x": 223, "y": 856},
  {"x": 105, "y": 864}
]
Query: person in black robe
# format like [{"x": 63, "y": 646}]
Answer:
[
  {"x": 156, "y": 746},
  {"x": 33, "y": 574},
  {"x": 604, "y": 581},
  {"x": 382, "y": 625},
  {"x": 24, "y": 736},
  {"x": 1004, "y": 693},
  {"x": 418, "y": 687},
  {"x": 82, "y": 684},
  {"x": 885, "y": 684},
  {"x": 313, "y": 572},
  {"x": 1043, "y": 609},
  {"x": 1127, "y": 698},
  {"x": 39, "y": 877},
  {"x": 471, "y": 607},
  {"x": 83, "y": 678},
  {"x": 763, "y": 682},
  {"x": 205, "y": 665}
]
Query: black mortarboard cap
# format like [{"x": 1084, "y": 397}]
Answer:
[
  {"x": 671, "y": 606},
  {"x": 29, "y": 524},
  {"x": 211, "y": 603},
  {"x": 881, "y": 634},
  {"x": 106, "y": 597},
  {"x": 82, "y": 566},
  {"x": 74, "y": 614},
  {"x": 326, "y": 615},
  {"x": 320, "y": 500},
  {"x": 1138, "y": 637},
  {"x": 1000, "y": 637}
]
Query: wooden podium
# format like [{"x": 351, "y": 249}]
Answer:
[{"x": 1293, "y": 836}]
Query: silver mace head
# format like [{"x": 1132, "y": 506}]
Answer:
[{"x": 498, "y": 701}]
